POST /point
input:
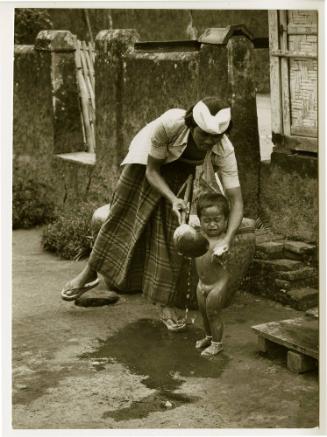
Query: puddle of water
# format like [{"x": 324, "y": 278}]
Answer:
[{"x": 165, "y": 358}]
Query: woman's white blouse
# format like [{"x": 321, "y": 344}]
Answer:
[{"x": 166, "y": 138}]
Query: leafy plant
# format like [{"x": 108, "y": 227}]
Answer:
[
  {"x": 69, "y": 235},
  {"x": 32, "y": 204},
  {"x": 29, "y": 22}
]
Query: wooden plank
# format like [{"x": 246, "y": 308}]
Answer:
[
  {"x": 300, "y": 334},
  {"x": 285, "y": 74},
  {"x": 301, "y": 144},
  {"x": 275, "y": 85},
  {"x": 288, "y": 54},
  {"x": 311, "y": 132},
  {"x": 297, "y": 29},
  {"x": 80, "y": 157}
]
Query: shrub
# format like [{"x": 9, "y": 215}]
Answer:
[
  {"x": 69, "y": 235},
  {"x": 29, "y": 22},
  {"x": 32, "y": 204}
]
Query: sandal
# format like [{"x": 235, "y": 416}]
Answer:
[{"x": 70, "y": 293}]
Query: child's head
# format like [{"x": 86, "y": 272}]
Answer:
[{"x": 213, "y": 212}]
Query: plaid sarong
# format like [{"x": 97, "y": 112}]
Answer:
[{"x": 134, "y": 249}]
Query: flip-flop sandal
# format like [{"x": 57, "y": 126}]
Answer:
[
  {"x": 174, "y": 326},
  {"x": 75, "y": 293}
]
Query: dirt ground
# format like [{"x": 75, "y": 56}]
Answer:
[{"x": 117, "y": 366}]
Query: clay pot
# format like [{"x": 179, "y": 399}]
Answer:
[{"x": 190, "y": 242}]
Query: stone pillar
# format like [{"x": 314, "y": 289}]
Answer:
[
  {"x": 32, "y": 111},
  {"x": 111, "y": 46},
  {"x": 227, "y": 70},
  {"x": 67, "y": 122}
]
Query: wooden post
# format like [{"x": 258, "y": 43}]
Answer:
[
  {"x": 285, "y": 74},
  {"x": 275, "y": 85}
]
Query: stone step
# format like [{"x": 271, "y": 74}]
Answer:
[
  {"x": 299, "y": 247},
  {"x": 295, "y": 275},
  {"x": 313, "y": 312},
  {"x": 303, "y": 298},
  {"x": 269, "y": 250},
  {"x": 277, "y": 265},
  {"x": 264, "y": 235},
  {"x": 283, "y": 284}
]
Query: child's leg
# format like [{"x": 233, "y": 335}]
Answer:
[
  {"x": 215, "y": 302},
  {"x": 201, "y": 298}
]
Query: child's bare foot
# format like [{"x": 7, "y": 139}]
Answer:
[
  {"x": 204, "y": 342},
  {"x": 213, "y": 349}
]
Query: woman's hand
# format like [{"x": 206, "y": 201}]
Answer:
[
  {"x": 220, "y": 252},
  {"x": 180, "y": 208}
]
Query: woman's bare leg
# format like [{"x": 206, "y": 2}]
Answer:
[{"x": 85, "y": 276}]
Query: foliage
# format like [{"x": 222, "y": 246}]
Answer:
[
  {"x": 69, "y": 235},
  {"x": 29, "y": 22},
  {"x": 32, "y": 204}
]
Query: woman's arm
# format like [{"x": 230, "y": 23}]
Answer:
[
  {"x": 235, "y": 218},
  {"x": 236, "y": 212},
  {"x": 156, "y": 180}
]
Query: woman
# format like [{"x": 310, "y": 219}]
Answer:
[{"x": 134, "y": 249}]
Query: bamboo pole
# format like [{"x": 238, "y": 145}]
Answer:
[
  {"x": 84, "y": 99},
  {"x": 88, "y": 23},
  {"x": 89, "y": 63},
  {"x": 92, "y": 52},
  {"x": 83, "y": 62}
]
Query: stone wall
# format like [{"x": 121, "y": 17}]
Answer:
[
  {"x": 33, "y": 129},
  {"x": 167, "y": 24},
  {"x": 289, "y": 195},
  {"x": 46, "y": 117},
  {"x": 134, "y": 84},
  {"x": 158, "y": 24}
]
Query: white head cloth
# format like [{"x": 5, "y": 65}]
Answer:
[{"x": 212, "y": 124}]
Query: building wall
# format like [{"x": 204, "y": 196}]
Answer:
[
  {"x": 289, "y": 183},
  {"x": 289, "y": 195}
]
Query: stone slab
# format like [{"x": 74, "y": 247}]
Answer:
[
  {"x": 288, "y": 285},
  {"x": 279, "y": 264},
  {"x": 269, "y": 250},
  {"x": 300, "y": 334},
  {"x": 299, "y": 363},
  {"x": 303, "y": 294},
  {"x": 313, "y": 312},
  {"x": 293, "y": 275},
  {"x": 299, "y": 247}
]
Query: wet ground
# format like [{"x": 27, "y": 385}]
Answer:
[{"x": 117, "y": 366}]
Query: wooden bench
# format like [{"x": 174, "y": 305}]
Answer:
[{"x": 299, "y": 336}]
